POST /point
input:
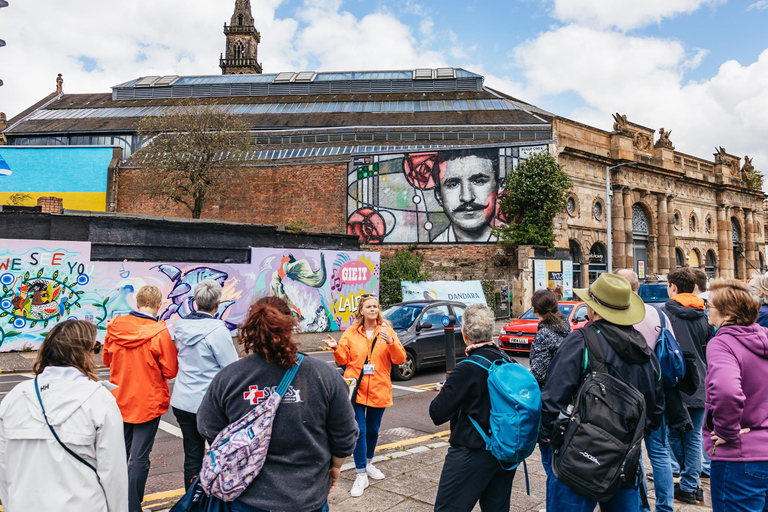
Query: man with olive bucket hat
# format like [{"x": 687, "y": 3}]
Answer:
[{"x": 613, "y": 308}]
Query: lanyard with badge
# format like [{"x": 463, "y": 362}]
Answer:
[{"x": 369, "y": 368}]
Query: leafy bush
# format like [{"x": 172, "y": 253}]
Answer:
[
  {"x": 533, "y": 195},
  {"x": 405, "y": 265}
]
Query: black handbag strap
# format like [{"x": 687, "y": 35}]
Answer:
[
  {"x": 68, "y": 450},
  {"x": 362, "y": 370}
]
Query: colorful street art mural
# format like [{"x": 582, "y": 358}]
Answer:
[
  {"x": 44, "y": 282},
  {"x": 447, "y": 196},
  {"x": 78, "y": 175},
  {"x": 322, "y": 288}
]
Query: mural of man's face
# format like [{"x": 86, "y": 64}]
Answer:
[{"x": 468, "y": 195}]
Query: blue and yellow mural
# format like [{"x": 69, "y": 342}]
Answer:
[{"x": 78, "y": 175}]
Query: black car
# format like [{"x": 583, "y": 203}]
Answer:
[{"x": 419, "y": 327}]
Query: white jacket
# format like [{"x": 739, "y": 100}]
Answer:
[{"x": 36, "y": 473}]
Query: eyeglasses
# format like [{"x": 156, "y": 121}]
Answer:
[
  {"x": 96, "y": 348},
  {"x": 710, "y": 306}
]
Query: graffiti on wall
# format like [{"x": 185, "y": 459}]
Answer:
[
  {"x": 436, "y": 196},
  {"x": 322, "y": 288},
  {"x": 44, "y": 282}
]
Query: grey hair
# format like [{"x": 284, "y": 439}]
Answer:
[
  {"x": 478, "y": 323},
  {"x": 207, "y": 295},
  {"x": 760, "y": 281},
  {"x": 630, "y": 276}
]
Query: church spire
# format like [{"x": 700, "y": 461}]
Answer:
[{"x": 242, "y": 42}]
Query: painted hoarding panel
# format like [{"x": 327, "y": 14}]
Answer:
[
  {"x": 44, "y": 282},
  {"x": 449, "y": 196},
  {"x": 468, "y": 292},
  {"x": 321, "y": 287},
  {"x": 78, "y": 175}
]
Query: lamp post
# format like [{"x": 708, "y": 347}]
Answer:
[{"x": 608, "y": 169}]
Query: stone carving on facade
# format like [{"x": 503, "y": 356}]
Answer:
[
  {"x": 59, "y": 84},
  {"x": 721, "y": 157},
  {"x": 642, "y": 142},
  {"x": 621, "y": 125},
  {"x": 748, "y": 167},
  {"x": 664, "y": 141}
]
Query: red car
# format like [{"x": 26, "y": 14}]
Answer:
[{"x": 518, "y": 334}]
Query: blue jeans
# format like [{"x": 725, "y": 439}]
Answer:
[
  {"x": 237, "y": 506},
  {"x": 739, "y": 486},
  {"x": 706, "y": 465},
  {"x": 560, "y": 497},
  {"x": 658, "y": 454},
  {"x": 368, "y": 422},
  {"x": 687, "y": 449},
  {"x": 546, "y": 458}
]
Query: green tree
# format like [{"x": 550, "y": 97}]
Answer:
[
  {"x": 405, "y": 265},
  {"x": 533, "y": 195},
  {"x": 190, "y": 147}
]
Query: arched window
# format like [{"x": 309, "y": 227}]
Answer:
[
  {"x": 237, "y": 50},
  {"x": 693, "y": 258},
  {"x": 240, "y": 20},
  {"x": 709, "y": 264},
  {"x": 679, "y": 261},
  {"x": 597, "y": 261},
  {"x": 735, "y": 231},
  {"x": 639, "y": 220}
]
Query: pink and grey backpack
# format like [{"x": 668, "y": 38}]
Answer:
[{"x": 239, "y": 451}]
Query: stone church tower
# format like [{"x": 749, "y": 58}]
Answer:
[{"x": 242, "y": 43}]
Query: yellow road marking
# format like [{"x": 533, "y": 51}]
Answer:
[
  {"x": 428, "y": 387},
  {"x": 415, "y": 440},
  {"x": 164, "y": 495}
]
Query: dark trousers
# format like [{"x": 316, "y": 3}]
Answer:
[
  {"x": 470, "y": 476},
  {"x": 139, "y": 438},
  {"x": 194, "y": 445}
]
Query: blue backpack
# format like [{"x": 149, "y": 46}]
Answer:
[
  {"x": 515, "y": 411},
  {"x": 670, "y": 355}
]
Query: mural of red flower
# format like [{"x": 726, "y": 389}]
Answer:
[
  {"x": 418, "y": 167},
  {"x": 368, "y": 225}
]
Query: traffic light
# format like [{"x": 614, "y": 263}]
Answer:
[{"x": 3, "y": 3}]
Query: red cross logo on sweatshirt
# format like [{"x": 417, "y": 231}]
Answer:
[{"x": 254, "y": 395}]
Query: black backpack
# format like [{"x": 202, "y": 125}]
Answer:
[{"x": 596, "y": 446}]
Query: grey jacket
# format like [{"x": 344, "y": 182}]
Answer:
[{"x": 314, "y": 421}]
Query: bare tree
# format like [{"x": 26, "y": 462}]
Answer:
[{"x": 190, "y": 147}]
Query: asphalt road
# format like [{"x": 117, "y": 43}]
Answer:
[{"x": 407, "y": 420}]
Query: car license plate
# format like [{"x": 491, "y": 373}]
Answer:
[{"x": 524, "y": 341}]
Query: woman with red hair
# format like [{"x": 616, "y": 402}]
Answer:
[{"x": 314, "y": 428}]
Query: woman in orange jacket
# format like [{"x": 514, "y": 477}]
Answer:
[{"x": 368, "y": 348}]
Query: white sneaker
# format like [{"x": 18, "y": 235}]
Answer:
[
  {"x": 361, "y": 483},
  {"x": 374, "y": 472}
]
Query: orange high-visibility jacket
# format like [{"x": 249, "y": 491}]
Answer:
[
  {"x": 375, "y": 390},
  {"x": 141, "y": 357}
]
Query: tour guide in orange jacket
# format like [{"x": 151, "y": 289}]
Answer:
[
  {"x": 141, "y": 356},
  {"x": 375, "y": 391}
]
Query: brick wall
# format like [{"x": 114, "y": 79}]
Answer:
[
  {"x": 50, "y": 204},
  {"x": 461, "y": 262},
  {"x": 268, "y": 195}
]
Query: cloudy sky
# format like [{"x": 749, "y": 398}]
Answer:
[{"x": 696, "y": 67}]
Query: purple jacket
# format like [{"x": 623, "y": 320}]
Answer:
[{"x": 737, "y": 393}]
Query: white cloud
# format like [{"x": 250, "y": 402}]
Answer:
[
  {"x": 624, "y": 14},
  {"x": 124, "y": 40},
  {"x": 643, "y": 77},
  {"x": 761, "y": 4}
]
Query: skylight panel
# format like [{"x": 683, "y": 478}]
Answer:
[
  {"x": 283, "y": 77},
  {"x": 422, "y": 74},
  {"x": 147, "y": 81},
  {"x": 305, "y": 76},
  {"x": 445, "y": 73},
  {"x": 166, "y": 80}
]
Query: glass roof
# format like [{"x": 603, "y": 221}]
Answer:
[
  {"x": 315, "y": 107},
  {"x": 270, "y": 78}
]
